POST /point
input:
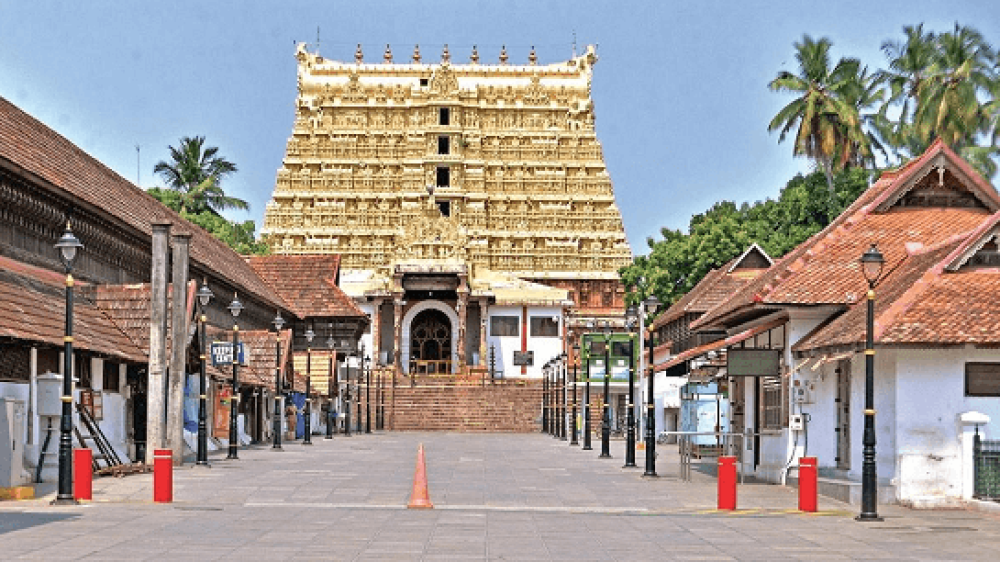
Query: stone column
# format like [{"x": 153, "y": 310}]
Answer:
[
  {"x": 157, "y": 340},
  {"x": 397, "y": 333},
  {"x": 377, "y": 332},
  {"x": 462, "y": 308},
  {"x": 484, "y": 324},
  {"x": 179, "y": 320}
]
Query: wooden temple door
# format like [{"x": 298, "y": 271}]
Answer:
[{"x": 430, "y": 343}]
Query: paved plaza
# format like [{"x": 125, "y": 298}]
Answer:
[{"x": 496, "y": 497}]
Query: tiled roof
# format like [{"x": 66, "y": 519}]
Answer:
[
  {"x": 922, "y": 302},
  {"x": 31, "y": 148},
  {"x": 718, "y": 345},
  {"x": 128, "y": 306},
  {"x": 825, "y": 269},
  {"x": 307, "y": 283},
  {"x": 713, "y": 288},
  {"x": 33, "y": 308}
]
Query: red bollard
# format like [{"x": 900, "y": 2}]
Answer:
[
  {"x": 163, "y": 476},
  {"x": 727, "y": 483},
  {"x": 83, "y": 474},
  {"x": 807, "y": 484}
]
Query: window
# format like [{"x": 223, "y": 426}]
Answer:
[
  {"x": 505, "y": 326},
  {"x": 424, "y": 82},
  {"x": 444, "y": 145},
  {"x": 982, "y": 379},
  {"x": 111, "y": 378},
  {"x": 544, "y": 327},
  {"x": 608, "y": 299},
  {"x": 620, "y": 348},
  {"x": 444, "y": 115},
  {"x": 443, "y": 176},
  {"x": 773, "y": 403},
  {"x": 445, "y": 208}
]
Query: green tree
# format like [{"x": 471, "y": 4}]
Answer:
[
  {"x": 240, "y": 236},
  {"x": 195, "y": 173},
  {"x": 825, "y": 115}
]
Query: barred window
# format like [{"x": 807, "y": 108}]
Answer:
[
  {"x": 505, "y": 326},
  {"x": 982, "y": 379},
  {"x": 774, "y": 412},
  {"x": 544, "y": 327}
]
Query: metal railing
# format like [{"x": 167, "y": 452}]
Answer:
[
  {"x": 729, "y": 443},
  {"x": 986, "y": 468}
]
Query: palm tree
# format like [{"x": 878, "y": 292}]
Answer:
[
  {"x": 910, "y": 63},
  {"x": 195, "y": 173},
  {"x": 828, "y": 121}
]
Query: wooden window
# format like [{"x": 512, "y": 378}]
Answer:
[
  {"x": 443, "y": 176},
  {"x": 544, "y": 327},
  {"x": 110, "y": 380},
  {"x": 772, "y": 406},
  {"x": 608, "y": 299},
  {"x": 505, "y": 326},
  {"x": 982, "y": 379},
  {"x": 444, "y": 116},
  {"x": 444, "y": 145}
]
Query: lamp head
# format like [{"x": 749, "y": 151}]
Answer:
[
  {"x": 310, "y": 334},
  {"x": 278, "y": 322},
  {"x": 68, "y": 246},
  {"x": 205, "y": 294},
  {"x": 871, "y": 264},
  {"x": 651, "y": 303},
  {"x": 576, "y": 348},
  {"x": 631, "y": 314},
  {"x": 235, "y": 307},
  {"x": 330, "y": 342}
]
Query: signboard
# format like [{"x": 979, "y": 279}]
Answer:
[
  {"x": 753, "y": 362},
  {"x": 222, "y": 353},
  {"x": 524, "y": 358},
  {"x": 619, "y": 370},
  {"x": 220, "y": 424}
]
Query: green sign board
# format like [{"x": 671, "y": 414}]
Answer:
[{"x": 753, "y": 362}]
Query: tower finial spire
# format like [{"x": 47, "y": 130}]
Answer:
[
  {"x": 359, "y": 55},
  {"x": 474, "y": 57},
  {"x": 416, "y": 54},
  {"x": 387, "y": 56},
  {"x": 503, "y": 54},
  {"x": 532, "y": 57},
  {"x": 445, "y": 55}
]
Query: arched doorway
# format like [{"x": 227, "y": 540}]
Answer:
[{"x": 430, "y": 342}]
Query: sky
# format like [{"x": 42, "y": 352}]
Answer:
[{"x": 680, "y": 89}]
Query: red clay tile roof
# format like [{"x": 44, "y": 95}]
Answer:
[
  {"x": 128, "y": 306},
  {"x": 32, "y": 149},
  {"x": 717, "y": 345},
  {"x": 307, "y": 283},
  {"x": 713, "y": 288},
  {"x": 825, "y": 269},
  {"x": 33, "y": 308},
  {"x": 922, "y": 302}
]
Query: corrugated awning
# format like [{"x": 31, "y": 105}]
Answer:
[{"x": 717, "y": 345}]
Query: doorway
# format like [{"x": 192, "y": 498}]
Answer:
[
  {"x": 843, "y": 402},
  {"x": 430, "y": 342}
]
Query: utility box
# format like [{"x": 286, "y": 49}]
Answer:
[
  {"x": 50, "y": 394},
  {"x": 12, "y": 418}
]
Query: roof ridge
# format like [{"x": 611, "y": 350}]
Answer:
[{"x": 908, "y": 298}]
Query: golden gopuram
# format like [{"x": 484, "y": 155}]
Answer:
[{"x": 469, "y": 203}]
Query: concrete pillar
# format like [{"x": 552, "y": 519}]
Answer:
[
  {"x": 462, "y": 308},
  {"x": 157, "y": 341},
  {"x": 397, "y": 333},
  {"x": 484, "y": 324},
  {"x": 376, "y": 329},
  {"x": 179, "y": 321},
  {"x": 969, "y": 421}
]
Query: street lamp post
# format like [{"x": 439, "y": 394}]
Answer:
[
  {"x": 307, "y": 431},
  {"x": 871, "y": 266},
  {"x": 631, "y": 318},
  {"x": 278, "y": 322},
  {"x": 650, "y": 304},
  {"x": 235, "y": 308},
  {"x": 347, "y": 397},
  {"x": 562, "y": 399},
  {"x": 586, "y": 399},
  {"x": 357, "y": 388},
  {"x": 68, "y": 246},
  {"x": 368, "y": 400},
  {"x": 331, "y": 419},
  {"x": 545, "y": 398},
  {"x": 576, "y": 361},
  {"x": 606, "y": 405},
  {"x": 204, "y": 296}
]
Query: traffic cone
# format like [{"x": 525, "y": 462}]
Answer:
[{"x": 419, "y": 497}]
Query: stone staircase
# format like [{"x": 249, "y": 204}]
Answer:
[{"x": 450, "y": 405}]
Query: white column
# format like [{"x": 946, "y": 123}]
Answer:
[
  {"x": 968, "y": 422},
  {"x": 33, "y": 419}
]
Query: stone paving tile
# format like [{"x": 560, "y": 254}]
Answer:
[{"x": 498, "y": 497}]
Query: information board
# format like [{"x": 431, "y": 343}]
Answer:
[{"x": 753, "y": 362}]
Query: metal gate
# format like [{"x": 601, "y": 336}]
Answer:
[{"x": 986, "y": 468}]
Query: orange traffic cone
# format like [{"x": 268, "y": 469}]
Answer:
[{"x": 419, "y": 497}]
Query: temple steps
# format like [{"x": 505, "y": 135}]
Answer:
[{"x": 508, "y": 407}]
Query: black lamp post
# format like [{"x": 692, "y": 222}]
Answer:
[
  {"x": 586, "y": 394},
  {"x": 381, "y": 400},
  {"x": 650, "y": 304},
  {"x": 576, "y": 361},
  {"x": 357, "y": 388},
  {"x": 631, "y": 318},
  {"x": 606, "y": 405},
  {"x": 68, "y": 245},
  {"x": 307, "y": 437},
  {"x": 235, "y": 308},
  {"x": 545, "y": 398},
  {"x": 278, "y": 322},
  {"x": 331, "y": 419},
  {"x": 368, "y": 399},
  {"x": 871, "y": 266},
  {"x": 347, "y": 397},
  {"x": 204, "y": 295},
  {"x": 562, "y": 398}
]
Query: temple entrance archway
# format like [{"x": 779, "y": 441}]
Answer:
[{"x": 430, "y": 339}]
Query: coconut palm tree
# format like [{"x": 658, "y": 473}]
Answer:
[
  {"x": 828, "y": 124},
  {"x": 195, "y": 172},
  {"x": 910, "y": 63}
]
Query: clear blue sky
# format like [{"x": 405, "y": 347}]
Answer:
[{"x": 680, "y": 91}]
